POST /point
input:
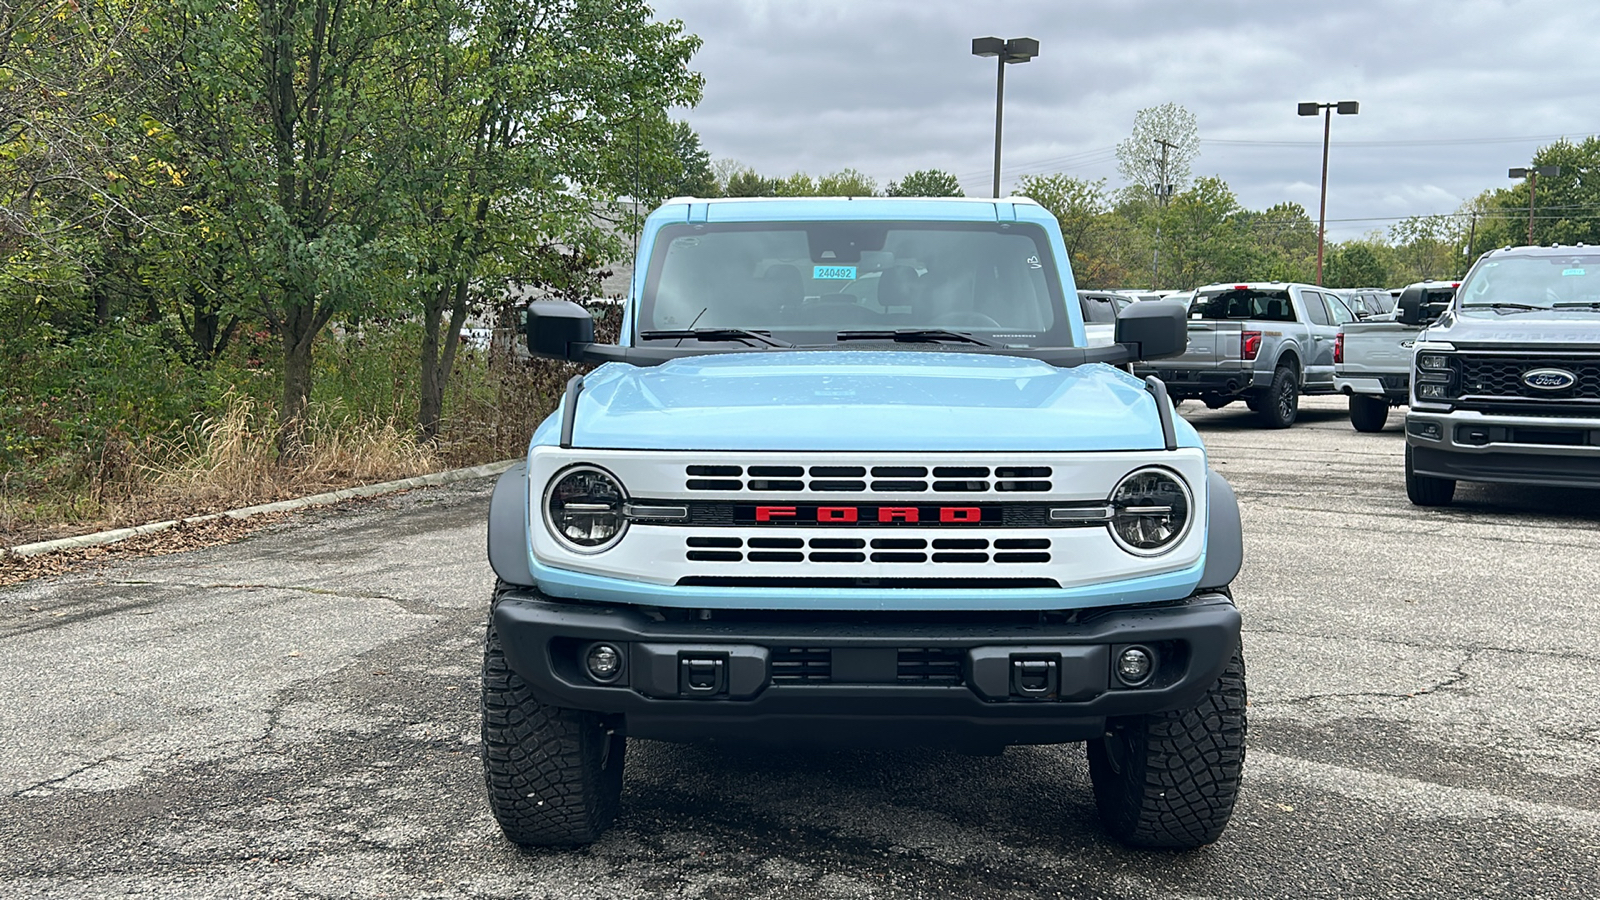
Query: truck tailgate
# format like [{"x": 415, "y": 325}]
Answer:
[
  {"x": 1377, "y": 348},
  {"x": 1211, "y": 341}
]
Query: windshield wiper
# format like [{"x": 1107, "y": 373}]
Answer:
[
  {"x": 1517, "y": 306},
  {"x": 715, "y": 334},
  {"x": 914, "y": 336},
  {"x": 1587, "y": 304}
]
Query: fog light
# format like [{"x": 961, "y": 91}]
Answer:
[
  {"x": 1134, "y": 666},
  {"x": 604, "y": 662}
]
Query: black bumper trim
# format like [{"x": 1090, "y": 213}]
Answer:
[
  {"x": 542, "y": 640},
  {"x": 1506, "y": 467},
  {"x": 1193, "y": 383}
]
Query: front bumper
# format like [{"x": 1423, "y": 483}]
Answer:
[
  {"x": 1468, "y": 445},
  {"x": 941, "y": 679}
]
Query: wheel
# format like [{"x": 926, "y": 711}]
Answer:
[
  {"x": 1281, "y": 403},
  {"x": 554, "y": 776},
  {"x": 1171, "y": 779},
  {"x": 1213, "y": 401},
  {"x": 1253, "y": 402},
  {"x": 1368, "y": 414},
  {"x": 1426, "y": 490}
]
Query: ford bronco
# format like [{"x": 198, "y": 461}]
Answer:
[{"x": 852, "y": 474}]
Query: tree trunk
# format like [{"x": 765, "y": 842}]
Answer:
[
  {"x": 439, "y": 354},
  {"x": 297, "y": 335}
]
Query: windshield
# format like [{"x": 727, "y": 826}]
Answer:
[
  {"x": 1539, "y": 281},
  {"x": 807, "y": 281},
  {"x": 1243, "y": 303}
]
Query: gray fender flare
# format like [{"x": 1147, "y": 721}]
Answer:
[
  {"x": 508, "y": 527},
  {"x": 1224, "y": 534}
]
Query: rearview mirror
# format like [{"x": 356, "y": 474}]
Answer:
[
  {"x": 559, "y": 329},
  {"x": 1153, "y": 329}
]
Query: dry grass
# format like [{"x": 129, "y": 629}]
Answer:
[
  {"x": 235, "y": 461},
  {"x": 230, "y": 460}
]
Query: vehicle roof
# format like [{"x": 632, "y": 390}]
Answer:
[
  {"x": 1257, "y": 285},
  {"x": 792, "y": 209},
  {"x": 1551, "y": 250},
  {"x": 721, "y": 200}
]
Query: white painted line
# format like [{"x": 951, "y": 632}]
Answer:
[{"x": 367, "y": 490}]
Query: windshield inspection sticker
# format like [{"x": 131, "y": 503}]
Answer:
[
  {"x": 1571, "y": 271},
  {"x": 834, "y": 273}
]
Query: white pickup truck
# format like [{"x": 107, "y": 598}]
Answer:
[{"x": 1372, "y": 364}]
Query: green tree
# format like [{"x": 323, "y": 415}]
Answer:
[
  {"x": 926, "y": 183},
  {"x": 1426, "y": 247},
  {"x": 489, "y": 196},
  {"x": 1284, "y": 240},
  {"x": 1355, "y": 264},
  {"x": 847, "y": 183},
  {"x": 1204, "y": 237},
  {"x": 746, "y": 183},
  {"x": 696, "y": 178},
  {"x": 1140, "y": 159}
]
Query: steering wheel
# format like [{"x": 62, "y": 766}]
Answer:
[{"x": 965, "y": 320}]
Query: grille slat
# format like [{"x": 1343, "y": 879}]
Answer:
[
  {"x": 932, "y": 665},
  {"x": 888, "y": 479}
]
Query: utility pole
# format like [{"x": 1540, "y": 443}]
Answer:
[
  {"x": 1163, "y": 191},
  {"x": 1532, "y": 173},
  {"x": 1472, "y": 236}
]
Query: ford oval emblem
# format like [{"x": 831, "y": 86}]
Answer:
[{"x": 1549, "y": 379}]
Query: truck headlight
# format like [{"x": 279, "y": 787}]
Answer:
[
  {"x": 1151, "y": 511},
  {"x": 583, "y": 508},
  {"x": 1433, "y": 361}
]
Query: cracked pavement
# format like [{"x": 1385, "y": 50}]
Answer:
[{"x": 296, "y": 715}]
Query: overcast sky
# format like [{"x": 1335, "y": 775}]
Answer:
[{"x": 1452, "y": 92}]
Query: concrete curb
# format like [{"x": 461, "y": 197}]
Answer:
[{"x": 367, "y": 490}]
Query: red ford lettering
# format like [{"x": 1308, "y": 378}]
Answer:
[
  {"x": 768, "y": 513},
  {"x": 836, "y": 514},
  {"x": 897, "y": 514},
  {"x": 960, "y": 514}
]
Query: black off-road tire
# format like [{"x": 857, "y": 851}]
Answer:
[
  {"x": 1171, "y": 779},
  {"x": 554, "y": 776},
  {"x": 1368, "y": 414},
  {"x": 1426, "y": 490},
  {"x": 1279, "y": 405}
]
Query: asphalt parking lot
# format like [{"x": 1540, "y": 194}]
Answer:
[{"x": 295, "y": 715}]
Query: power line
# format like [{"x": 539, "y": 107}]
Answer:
[{"x": 1431, "y": 142}]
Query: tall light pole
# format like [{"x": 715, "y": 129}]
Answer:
[
  {"x": 1343, "y": 108},
  {"x": 1016, "y": 50},
  {"x": 1532, "y": 174}
]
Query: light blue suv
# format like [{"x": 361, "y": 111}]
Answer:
[{"x": 853, "y": 474}]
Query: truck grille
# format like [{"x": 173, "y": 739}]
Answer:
[
  {"x": 912, "y": 666},
  {"x": 706, "y": 548},
  {"x": 1501, "y": 376},
  {"x": 879, "y": 479}
]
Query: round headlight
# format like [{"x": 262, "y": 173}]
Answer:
[
  {"x": 584, "y": 509},
  {"x": 1151, "y": 511}
]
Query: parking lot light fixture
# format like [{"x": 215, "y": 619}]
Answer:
[
  {"x": 1532, "y": 173},
  {"x": 1016, "y": 50},
  {"x": 1343, "y": 108}
]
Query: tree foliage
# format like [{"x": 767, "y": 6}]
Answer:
[
  {"x": 926, "y": 183},
  {"x": 1139, "y": 156}
]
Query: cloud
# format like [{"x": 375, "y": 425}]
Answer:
[{"x": 889, "y": 87}]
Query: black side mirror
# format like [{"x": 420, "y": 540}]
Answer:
[
  {"x": 1409, "y": 310},
  {"x": 1153, "y": 329},
  {"x": 559, "y": 329}
]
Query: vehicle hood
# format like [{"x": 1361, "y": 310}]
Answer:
[
  {"x": 1487, "y": 329},
  {"x": 867, "y": 400}
]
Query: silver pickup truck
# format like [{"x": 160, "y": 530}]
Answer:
[
  {"x": 1506, "y": 384},
  {"x": 1265, "y": 343},
  {"x": 1372, "y": 365}
]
